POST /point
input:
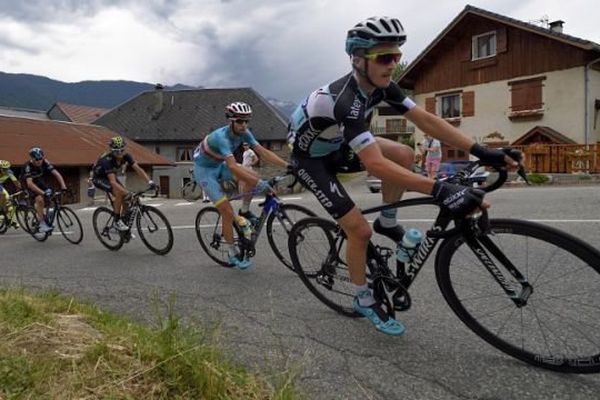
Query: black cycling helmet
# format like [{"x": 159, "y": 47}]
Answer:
[{"x": 36, "y": 153}]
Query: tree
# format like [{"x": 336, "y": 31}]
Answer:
[{"x": 400, "y": 68}]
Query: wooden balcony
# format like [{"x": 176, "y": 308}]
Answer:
[{"x": 561, "y": 158}]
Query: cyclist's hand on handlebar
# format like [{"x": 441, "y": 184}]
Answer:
[
  {"x": 459, "y": 200},
  {"x": 496, "y": 157}
]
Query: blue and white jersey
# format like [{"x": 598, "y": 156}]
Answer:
[
  {"x": 337, "y": 113},
  {"x": 220, "y": 144}
]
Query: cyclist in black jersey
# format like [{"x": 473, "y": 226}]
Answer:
[
  {"x": 35, "y": 172},
  {"x": 330, "y": 133},
  {"x": 104, "y": 176}
]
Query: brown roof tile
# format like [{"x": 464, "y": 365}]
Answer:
[
  {"x": 81, "y": 114},
  {"x": 64, "y": 143}
]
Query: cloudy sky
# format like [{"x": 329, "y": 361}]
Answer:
[{"x": 282, "y": 48}]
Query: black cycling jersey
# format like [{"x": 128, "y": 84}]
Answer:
[
  {"x": 38, "y": 173},
  {"x": 330, "y": 120},
  {"x": 109, "y": 164}
]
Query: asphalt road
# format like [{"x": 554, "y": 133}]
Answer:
[{"x": 269, "y": 320}]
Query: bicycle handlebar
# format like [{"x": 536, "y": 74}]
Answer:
[{"x": 462, "y": 177}]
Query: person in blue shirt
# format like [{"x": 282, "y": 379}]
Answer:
[{"x": 214, "y": 163}]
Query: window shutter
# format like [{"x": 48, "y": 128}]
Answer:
[
  {"x": 501, "y": 40},
  {"x": 526, "y": 95},
  {"x": 430, "y": 105},
  {"x": 468, "y": 104}
]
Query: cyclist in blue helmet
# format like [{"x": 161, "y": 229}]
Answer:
[
  {"x": 329, "y": 133},
  {"x": 35, "y": 172}
]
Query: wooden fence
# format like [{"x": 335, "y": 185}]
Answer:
[{"x": 561, "y": 158}]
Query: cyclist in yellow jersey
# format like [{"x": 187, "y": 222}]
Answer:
[{"x": 6, "y": 175}]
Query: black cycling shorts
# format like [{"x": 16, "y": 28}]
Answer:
[
  {"x": 104, "y": 184},
  {"x": 318, "y": 175}
]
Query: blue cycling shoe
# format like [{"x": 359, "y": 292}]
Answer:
[
  {"x": 239, "y": 264},
  {"x": 379, "y": 318}
]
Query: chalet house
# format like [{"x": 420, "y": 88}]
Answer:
[
  {"x": 172, "y": 124},
  {"x": 505, "y": 81},
  {"x": 389, "y": 123},
  {"x": 72, "y": 148}
]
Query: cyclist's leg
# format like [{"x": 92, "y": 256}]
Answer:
[
  {"x": 319, "y": 176},
  {"x": 246, "y": 187},
  {"x": 387, "y": 224}
]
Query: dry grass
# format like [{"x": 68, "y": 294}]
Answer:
[{"x": 57, "y": 348}]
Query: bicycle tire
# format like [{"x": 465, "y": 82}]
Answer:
[
  {"x": 106, "y": 231},
  {"x": 145, "y": 216},
  {"x": 531, "y": 248},
  {"x": 286, "y": 221},
  {"x": 321, "y": 268},
  {"x": 210, "y": 236},
  {"x": 3, "y": 223},
  {"x": 33, "y": 226},
  {"x": 191, "y": 191},
  {"x": 21, "y": 214},
  {"x": 68, "y": 222}
]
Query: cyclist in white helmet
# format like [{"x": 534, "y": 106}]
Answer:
[
  {"x": 331, "y": 126},
  {"x": 214, "y": 163}
]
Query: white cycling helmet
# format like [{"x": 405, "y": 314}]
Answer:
[
  {"x": 237, "y": 110},
  {"x": 373, "y": 31}
]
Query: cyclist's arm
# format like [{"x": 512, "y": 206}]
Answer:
[
  {"x": 136, "y": 167},
  {"x": 60, "y": 179},
  {"x": 269, "y": 156},
  {"x": 112, "y": 178},
  {"x": 385, "y": 169},
  {"x": 33, "y": 187},
  {"x": 439, "y": 128},
  {"x": 240, "y": 172}
]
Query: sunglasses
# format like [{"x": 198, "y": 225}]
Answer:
[
  {"x": 384, "y": 58},
  {"x": 241, "y": 121},
  {"x": 118, "y": 151}
]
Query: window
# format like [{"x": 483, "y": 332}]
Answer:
[
  {"x": 395, "y": 125},
  {"x": 449, "y": 105},
  {"x": 184, "y": 153},
  {"x": 157, "y": 149},
  {"x": 526, "y": 95},
  {"x": 484, "y": 45}
]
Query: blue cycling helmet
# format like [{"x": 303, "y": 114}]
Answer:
[
  {"x": 36, "y": 153},
  {"x": 373, "y": 31}
]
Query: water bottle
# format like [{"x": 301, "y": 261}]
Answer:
[
  {"x": 50, "y": 215},
  {"x": 245, "y": 226},
  {"x": 409, "y": 244}
]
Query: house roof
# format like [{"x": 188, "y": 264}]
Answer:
[
  {"x": 23, "y": 113},
  {"x": 189, "y": 115},
  {"x": 554, "y": 136},
  {"x": 64, "y": 143},
  {"x": 77, "y": 113},
  {"x": 470, "y": 10}
]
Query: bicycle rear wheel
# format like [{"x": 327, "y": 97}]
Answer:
[
  {"x": 69, "y": 225},
  {"x": 209, "y": 228},
  {"x": 33, "y": 226},
  {"x": 22, "y": 217},
  {"x": 279, "y": 225},
  {"x": 155, "y": 230},
  {"x": 317, "y": 248},
  {"x": 191, "y": 191},
  {"x": 558, "y": 326},
  {"x": 104, "y": 228},
  {"x": 3, "y": 223}
]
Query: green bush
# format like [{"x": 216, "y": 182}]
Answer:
[{"x": 537, "y": 179}]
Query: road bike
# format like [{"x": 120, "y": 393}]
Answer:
[
  {"x": 20, "y": 204},
  {"x": 152, "y": 226},
  {"x": 529, "y": 290},
  {"x": 279, "y": 218},
  {"x": 64, "y": 217}
]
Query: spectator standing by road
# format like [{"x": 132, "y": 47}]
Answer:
[{"x": 433, "y": 156}]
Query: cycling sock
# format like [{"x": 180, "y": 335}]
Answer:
[
  {"x": 364, "y": 295},
  {"x": 387, "y": 218},
  {"x": 232, "y": 250}
]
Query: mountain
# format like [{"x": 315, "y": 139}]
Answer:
[{"x": 40, "y": 93}]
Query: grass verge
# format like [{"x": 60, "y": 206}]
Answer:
[{"x": 53, "y": 347}]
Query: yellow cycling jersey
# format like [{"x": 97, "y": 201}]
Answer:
[{"x": 6, "y": 176}]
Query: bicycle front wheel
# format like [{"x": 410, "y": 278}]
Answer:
[
  {"x": 22, "y": 214},
  {"x": 155, "y": 230},
  {"x": 279, "y": 225},
  {"x": 317, "y": 249},
  {"x": 105, "y": 230},
  {"x": 3, "y": 222},
  {"x": 209, "y": 230},
  {"x": 69, "y": 225},
  {"x": 558, "y": 326}
]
